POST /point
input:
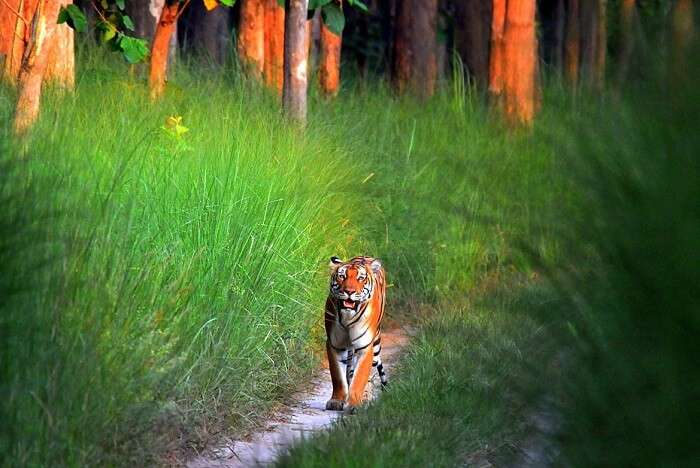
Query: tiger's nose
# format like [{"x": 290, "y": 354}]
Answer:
[{"x": 350, "y": 291}]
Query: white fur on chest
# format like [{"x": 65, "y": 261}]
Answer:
[{"x": 356, "y": 335}]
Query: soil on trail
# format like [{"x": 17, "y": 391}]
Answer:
[{"x": 304, "y": 416}]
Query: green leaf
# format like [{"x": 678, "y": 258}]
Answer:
[
  {"x": 63, "y": 16},
  {"x": 127, "y": 22},
  {"x": 313, "y": 4},
  {"x": 281, "y": 3},
  {"x": 120, "y": 4},
  {"x": 133, "y": 49},
  {"x": 228, "y": 3},
  {"x": 333, "y": 18},
  {"x": 359, "y": 5},
  {"x": 73, "y": 17},
  {"x": 105, "y": 31}
]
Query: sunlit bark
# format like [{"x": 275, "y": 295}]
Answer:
[
  {"x": 61, "y": 67},
  {"x": 519, "y": 61},
  {"x": 251, "y": 37},
  {"x": 15, "y": 29},
  {"x": 329, "y": 66},
  {"x": 296, "y": 56},
  {"x": 34, "y": 65},
  {"x": 498, "y": 18},
  {"x": 145, "y": 14},
  {"x": 160, "y": 48},
  {"x": 274, "y": 45}
]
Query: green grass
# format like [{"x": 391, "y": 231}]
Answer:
[
  {"x": 156, "y": 290},
  {"x": 602, "y": 346},
  {"x": 456, "y": 400},
  {"x": 629, "y": 394},
  {"x": 181, "y": 279}
]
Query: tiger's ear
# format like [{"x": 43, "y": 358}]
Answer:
[
  {"x": 333, "y": 264},
  {"x": 376, "y": 265}
]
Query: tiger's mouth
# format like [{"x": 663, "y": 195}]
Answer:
[{"x": 348, "y": 304}]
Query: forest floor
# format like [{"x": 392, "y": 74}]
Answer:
[{"x": 303, "y": 415}]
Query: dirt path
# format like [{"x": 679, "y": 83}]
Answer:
[{"x": 306, "y": 415}]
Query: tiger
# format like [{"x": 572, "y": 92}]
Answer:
[{"x": 353, "y": 317}]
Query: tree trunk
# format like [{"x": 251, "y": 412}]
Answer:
[
  {"x": 682, "y": 25},
  {"x": 15, "y": 28},
  {"x": 251, "y": 37},
  {"x": 498, "y": 19},
  {"x": 471, "y": 37},
  {"x": 296, "y": 54},
  {"x": 315, "y": 41},
  {"x": 160, "y": 48},
  {"x": 61, "y": 66},
  {"x": 274, "y": 45},
  {"x": 329, "y": 67},
  {"x": 593, "y": 40},
  {"x": 601, "y": 45},
  {"x": 145, "y": 14},
  {"x": 572, "y": 47},
  {"x": 387, "y": 15},
  {"x": 519, "y": 61},
  {"x": 207, "y": 33},
  {"x": 559, "y": 35},
  {"x": 415, "y": 44},
  {"x": 627, "y": 19},
  {"x": 589, "y": 41},
  {"x": 34, "y": 65}
]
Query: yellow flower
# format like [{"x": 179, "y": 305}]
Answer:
[{"x": 173, "y": 125}]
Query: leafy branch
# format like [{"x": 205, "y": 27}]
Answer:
[{"x": 115, "y": 28}]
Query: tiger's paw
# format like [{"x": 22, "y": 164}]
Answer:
[{"x": 335, "y": 405}]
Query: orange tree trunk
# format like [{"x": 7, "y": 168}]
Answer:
[
  {"x": 274, "y": 45},
  {"x": 519, "y": 61},
  {"x": 572, "y": 44},
  {"x": 296, "y": 56},
  {"x": 15, "y": 28},
  {"x": 415, "y": 45},
  {"x": 61, "y": 66},
  {"x": 34, "y": 65},
  {"x": 329, "y": 67},
  {"x": 251, "y": 36},
  {"x": 498, "y": 19},
  {"x": 160, "y": 47},
  {"x": 145, "y": 15}
]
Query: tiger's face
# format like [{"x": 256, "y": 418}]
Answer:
[{"x": 352, "y": 283}]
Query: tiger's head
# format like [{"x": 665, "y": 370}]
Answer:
[{"x": 352, "y": 283}]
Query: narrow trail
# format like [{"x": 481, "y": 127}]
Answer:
[{"x": 304, "y": 416}]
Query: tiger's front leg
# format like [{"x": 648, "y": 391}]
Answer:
[
  {"x": 360, "y": 378},
  {"x": 338, "y": 377}
]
